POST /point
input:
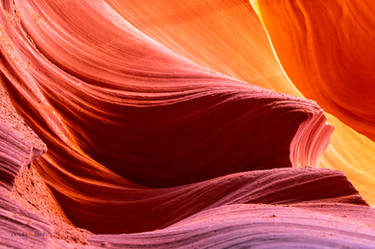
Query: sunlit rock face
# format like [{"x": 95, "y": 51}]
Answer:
[
  {"x": 327, "y": 50},
  {"x": 160, "y": 133}
]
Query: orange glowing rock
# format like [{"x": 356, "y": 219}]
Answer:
[
  {"x": 327, "y": 50},
  {"x": 160, "y": 134},
  {"x": 243, "y": 50}
]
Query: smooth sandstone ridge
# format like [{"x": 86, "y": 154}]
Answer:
[
  {"x": 231, "y": 32},
  {"x": 156, "y": 141}
]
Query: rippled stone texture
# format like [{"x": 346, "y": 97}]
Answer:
[
  {"x": 152, "y": 147},
  {"x": 227, "y": 36},
  {"x": 22, "y": 225},
  {"x": 135, "y": 117}
]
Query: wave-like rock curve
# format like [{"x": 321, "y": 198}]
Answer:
[{"x": 142, "y": 140}]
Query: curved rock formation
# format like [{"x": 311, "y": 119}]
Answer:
[
  {"x": 152, "y": 147},
  {"x": 135, "y": 115},
  {"x": 255, "y": 226},
  {"x": 229, "y": 32},
  {"x": 326, "y": 48},
  {"x": 30, "y": 217}
]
